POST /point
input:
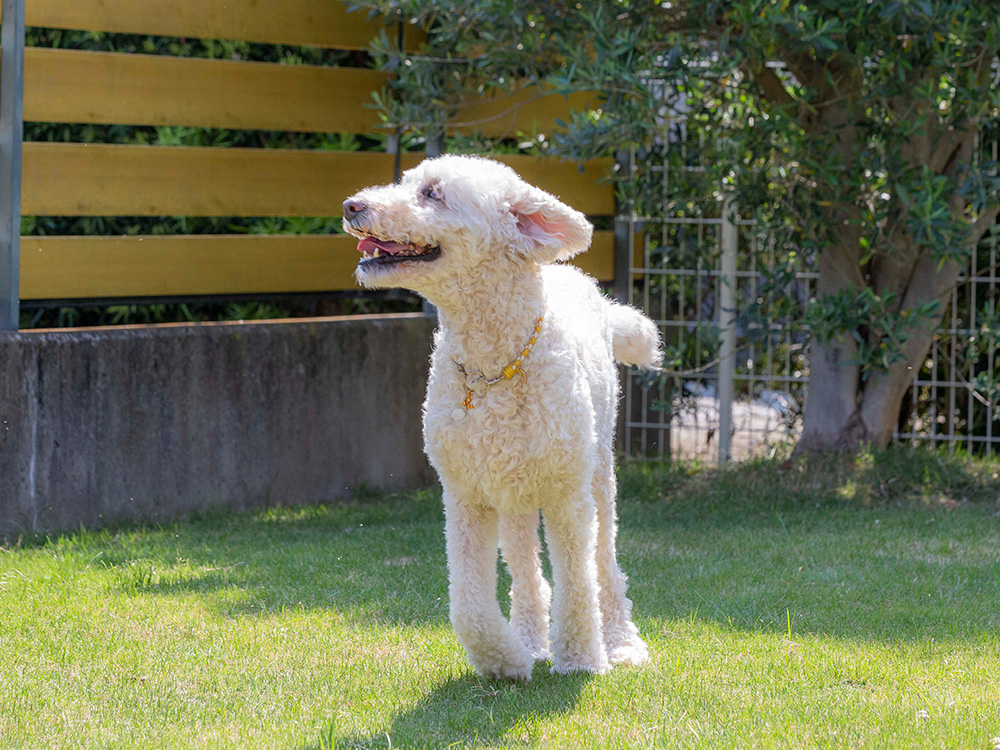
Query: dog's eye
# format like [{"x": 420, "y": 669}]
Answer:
[{"x": 431, "y": 192}]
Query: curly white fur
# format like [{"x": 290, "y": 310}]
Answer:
[{"x": 546, "y": 443}]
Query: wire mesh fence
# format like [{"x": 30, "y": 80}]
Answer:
[
  {"x": 746, "y": 400},
  {"x": 949, "y": 401}
]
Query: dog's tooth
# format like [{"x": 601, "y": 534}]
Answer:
[{"x": 375, "y": 254}]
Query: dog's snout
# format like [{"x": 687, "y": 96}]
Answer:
[{"x": 353, "y": 208}]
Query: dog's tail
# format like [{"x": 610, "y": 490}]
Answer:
[{"x": 634, "y": 337}]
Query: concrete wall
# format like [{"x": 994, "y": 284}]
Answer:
[{"x": 150, "y": 423}]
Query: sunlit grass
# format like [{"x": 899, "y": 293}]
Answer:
[{"x": 832, "y": 606}]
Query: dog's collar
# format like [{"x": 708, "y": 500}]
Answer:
[{"x": 476, "y": 376}]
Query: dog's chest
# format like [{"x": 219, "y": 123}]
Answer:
[{"x": 508, "y": 443}]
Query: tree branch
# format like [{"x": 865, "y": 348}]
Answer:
[
  {"x": 985, "y": 220},
  {"x": 846, "y": 84},
  {"x": 769, "y": 82},
  {"x": 679, "y": 17},
  {"x": 943, "y": 156}
]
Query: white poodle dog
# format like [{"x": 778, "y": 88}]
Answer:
[{"x": 520, "y": 409}]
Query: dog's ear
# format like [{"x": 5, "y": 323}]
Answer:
[{"x": 548, "y": 230}]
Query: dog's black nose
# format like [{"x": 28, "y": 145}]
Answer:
[{"x": 352, "y": 208}]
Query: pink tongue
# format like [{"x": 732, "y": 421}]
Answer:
[{"x": 368, "y": 245}]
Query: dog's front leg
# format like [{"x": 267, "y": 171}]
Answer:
[
  {"x": 530, "y": 593},
  {"x": 492, "y": 648},
  {"x": 571, "y": 531}
]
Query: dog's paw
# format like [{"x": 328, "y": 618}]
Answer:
[
  {"x": 595, "y": 666},
  {"x": 633, "y": 652},
  {"x": 507, "y": 670},
  {"x": 510, "y": 662},
  {"x": 624, "y": 646}
]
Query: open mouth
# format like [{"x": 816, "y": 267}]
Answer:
[{"x": 375, "y": 252}]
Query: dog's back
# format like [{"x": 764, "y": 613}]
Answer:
[{"x": 634, "y": 338}]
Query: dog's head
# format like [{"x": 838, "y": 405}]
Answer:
[{"x": 455, "y": 215}]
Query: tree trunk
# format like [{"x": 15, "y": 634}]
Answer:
[
  {"x": 832, "y": 400},
  {"x": 843, "y": 414},
  {"x": 883, "y": 393},
  {"x": 830, "y": 419}
]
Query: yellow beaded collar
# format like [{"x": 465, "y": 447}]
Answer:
[{"x": 476, "y": 376}]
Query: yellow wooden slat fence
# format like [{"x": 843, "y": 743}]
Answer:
[
  {"x": 121, "y": 89},
  {"x": 315, "y": 23},
  {"x": 132, "y": 89},
  {"x": 71, "y": 179},
  {"x": 184, "y": 265}
]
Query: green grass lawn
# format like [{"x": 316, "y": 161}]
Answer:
[{"x": 821, "y": 606}]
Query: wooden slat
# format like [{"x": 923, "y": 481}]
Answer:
[
  {"x": 124, "y": 89},
  {"x": 156, "y": 266},
  {"x": 190, "y": 265},
  {"x": 599, "y": 260},
  {"x": 69, "y": 179},
  {"x": 132, "y": 89},
  {"x": 590, "y": 191},
  {"x": 319, "y": 23},
  {"x": 527, "y": 111}
]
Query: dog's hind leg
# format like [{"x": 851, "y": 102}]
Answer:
[
  {"x": 471, "y": 540},
  {"x": 570, "y": 531},
  {"x": 530, "y": 594},
  {"x": 621, "y": 637}
]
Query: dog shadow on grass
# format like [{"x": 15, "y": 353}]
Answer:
[
  {"x": 470, "y": 710},
  {"x": 388, "y": 593},
  {"x": 379, "y": 563}
]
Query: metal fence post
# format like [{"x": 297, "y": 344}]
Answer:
[
  {"x": 623, "y": 235},
  {"x": 727, "y": 327},
  {"x": 392, "y": 141},
  {"x": 434, "y": 147},
  {"x": 11, "y": 135}
]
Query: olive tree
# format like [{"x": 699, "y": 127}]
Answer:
[{"x": 852, "y": 130}]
